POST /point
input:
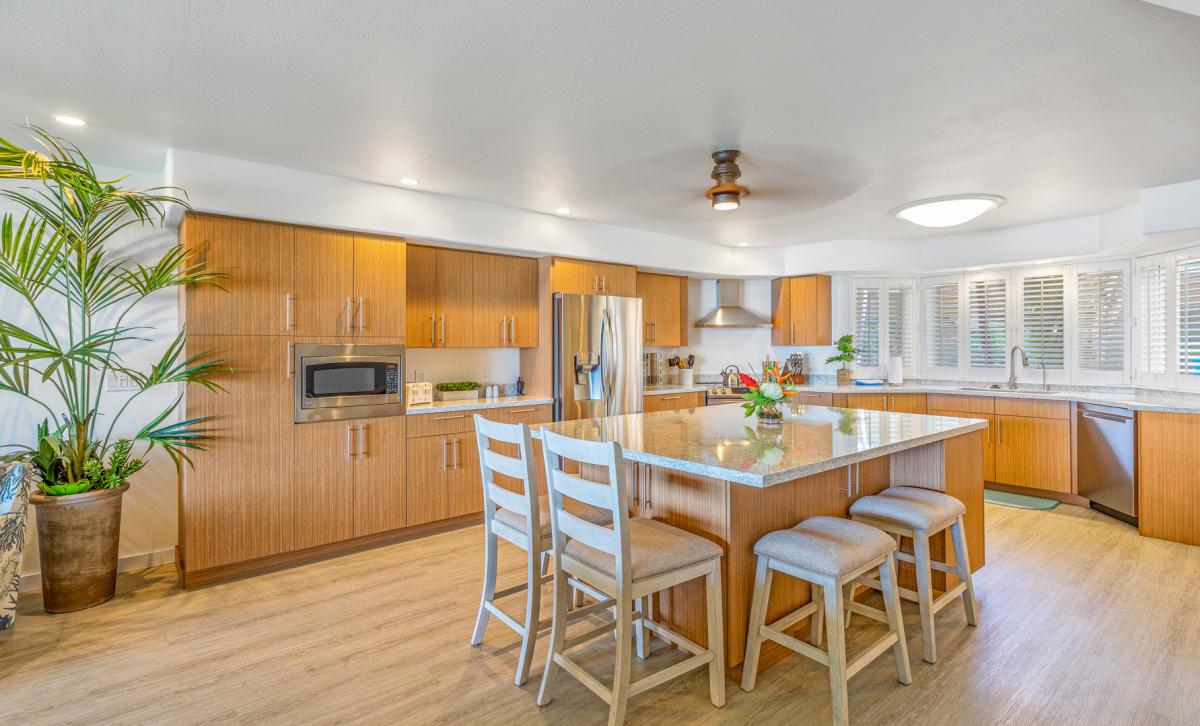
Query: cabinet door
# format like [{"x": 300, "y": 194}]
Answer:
[
  {"x": 325, "y": 454},
  {"x": 664, "y": 310},
  {"x": 907, "y": 402},
  {"x": 380, "y": 290},
  {"x": 258, "y": 257},
  {"x": 782, "y": 331},
  {"x": 811, "y": 399},
  {"x": 428, "y": 479},
  {"x": 1168, "y": 482},
  {"x": 989, "y": 447},
  {"x": 506, "y": 307},
  {"x": 238, "y": 500},
  {"x": 645, "y": 291},
  {"x": 868, "y": 401},
  {"x": 1033, "y": 452},
  {"x": 523, "y": 306},
  {"x": 421, "y": 297},
  {"x": 379, "y": 476},
  {"x": 324, "y": 282},
  {"x": 811, "y": 310},
  {"x": 618, "y": 279},
  {"x": 576, "y": 276},
  {"x": 465, "y": 495},
  {"x": 456, "y": 314}
]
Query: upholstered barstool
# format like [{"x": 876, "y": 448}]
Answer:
[
  {"x": 628, "y": 562},
  {"x": 828, "y": 553},
  {"x": 918, "y": 513},
  {"x": 521, "y": 518}
]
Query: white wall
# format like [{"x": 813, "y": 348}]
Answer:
[{"x": 485, "y": 365}]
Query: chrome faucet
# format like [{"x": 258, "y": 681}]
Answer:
[{"x": 1012, "y": 365}]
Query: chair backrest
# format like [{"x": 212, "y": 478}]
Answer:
[
  {"x": 522, "y": 468},
  {"x": 611, "y": 496}
]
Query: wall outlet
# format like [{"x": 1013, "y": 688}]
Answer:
[
  {"x": 121, "y": 382},
  {"x": 418, "y": 375},
  {"x": 487, "y": 376}
]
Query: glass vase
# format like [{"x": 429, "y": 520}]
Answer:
[{"x": 770, "y": 414}]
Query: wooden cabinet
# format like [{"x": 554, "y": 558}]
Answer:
[
  {"x": 379, "y": 286},
  {"x": 664, "y": 309},
  {"x": 443, "y": 477},
  {"x": 672, "y": 401},
  {"x": 811, "y": 399},
  {"x": 1168, "y": 480},
  {"x": 422, "y": 297},
  {"x": 323, "y": 294},
  {"x": 593, "y": 278},
  {"x": 506, "y": 302},
  {"x": 989, "y": 447},
  {"x": 1033, "y": 452},
  {"x": 380, "y": 484},
  {"x": 258, "y": 258},
  {"x": 801, "y": 311},
  {"x": 325, "y": 452},
  {"x": 895, "y": 402},
  {"x": 238, "y": 500}
]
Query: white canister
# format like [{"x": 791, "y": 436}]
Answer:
[
  {"x": 685, "y": 376},
  {"x": 895, "y": 372}
]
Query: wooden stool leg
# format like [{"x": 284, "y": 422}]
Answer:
[
  {"x": 545, "y": 562},
  {"x": 925, "y": 594},
  {"x": 716, "y": 635},
  {"x": 533, "y": 615},
  {"x": 758, "y": 618},
  {"x": 963, "y": 562},
  {"x": 489, "y": 588},
  {"x": 891, "y": 604},
  {"x": 639, "y": 629},
  {"x": 835, "y": 631},
  {"x": 558, "y": 635},
  {"x": 851, "y": 590},
  {"x": 620, "y": 686},
  {"x": 816, "y": 625}
]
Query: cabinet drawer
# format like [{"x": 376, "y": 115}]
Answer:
[
  {"x": 437, "y": 424},
  {"x": 529, "y": 415},
  {"x": 812, "y": 399},
  {"x": 962, "y": 404},
  {"x": 1033, "y": 408}
]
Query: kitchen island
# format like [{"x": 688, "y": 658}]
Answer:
[{"x": 712, "y": 472}]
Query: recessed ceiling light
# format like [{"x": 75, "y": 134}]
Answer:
[
  {"x": 563, "y": 210},
  {"x": 408, "y": 181},
  {"x": 70, "y": 120},
  {"x": 742, "y": 244},
  {"x": 948, "y": 211}
]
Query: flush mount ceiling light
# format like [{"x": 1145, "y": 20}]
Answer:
[
  {"x": 948, "y": 211},
  {"x": 562, "y": 210},
  {"x": 408, "y": 181},
  {"x": 70, "y": 120},
  {"x": 726, "y": 194}
]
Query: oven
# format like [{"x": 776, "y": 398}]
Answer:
[{"x": 348, "y": 381}]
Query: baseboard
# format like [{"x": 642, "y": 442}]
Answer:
[{"x": 145, "y": 560}]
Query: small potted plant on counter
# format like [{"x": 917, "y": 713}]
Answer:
[
  {"x": 457, "y": 390},
  {"x": 765, "y": 398},
  {"x": 845, "y": 356}
]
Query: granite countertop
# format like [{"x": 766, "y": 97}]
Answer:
[
  {"x": 1135, "y": 399},
  {"x": 719, "y": 442},
  {"x": 476, "y": 404},
  {"x": 673, "y": 388}
]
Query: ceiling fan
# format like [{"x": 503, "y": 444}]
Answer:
[{"x": 726, "y": 194}]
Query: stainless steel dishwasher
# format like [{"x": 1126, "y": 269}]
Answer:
[{"x": 1105, "y": 450}]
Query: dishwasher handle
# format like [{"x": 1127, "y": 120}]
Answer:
[{"x": 1106, "y": 416}]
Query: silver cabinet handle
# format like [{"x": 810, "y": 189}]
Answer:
[
  {"x": 443, "y": 418},
  {"x": 456, "y": 453},
  {"x": 596, "y": 283},
  {"x": 287, "y": 311},
  {"x": 670, "y": 398},
  {"x": 633, "y": 485},
  {"x": 443, "y": 328},
  {"x": 649, "y": 489},
  {"x": 603, "y": 284},
  {"x": 523, "y": 410},
  {"x": 857, "y": 480},
  {"x": 432, "y": 330},
  {"x": 361, "y": 440},
  {"x": 349, "y": 324},
  {"x": 793, "y": 333},
  {"x": 290, "y": 359},
  {"x": 512, "y": 330},
  {"x": 348, "y": 442},
  {"x": 503, "y": 331},
  {"x": 445, "y": 465},
  {"x": 362, "y": 303}
]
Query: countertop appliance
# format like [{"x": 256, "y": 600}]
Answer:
[
  {"x": 721, "y": 395},
  {"x": 1105, "y": 443},
  {"x": 418, "y": 393},
  {"x": 597, "y": 356},
  {"x": 348, "y": 381}
]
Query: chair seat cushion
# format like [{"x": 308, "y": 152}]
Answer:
[
  {"x": 828, "y": 546},
  {"x": 654, "y": 549},
  {"x": 921, "y": 509},
  {"x": 516, "y": 520}
]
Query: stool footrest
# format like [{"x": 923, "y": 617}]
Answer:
[
  {"x": 870, "y": 612},
  {"x": 799, "y": 646},
  {"x": 795, "y": 616},
  {"x": 948, "y": 596},
  {"x": 877, "y": 648}
]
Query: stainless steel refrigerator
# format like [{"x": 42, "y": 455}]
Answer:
[{"x": 597, "y": 356}]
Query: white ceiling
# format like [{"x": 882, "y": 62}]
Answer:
[{"x": 843, "y": 110}]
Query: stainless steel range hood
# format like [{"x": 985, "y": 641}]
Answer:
[{"x": 729, "y": 312}]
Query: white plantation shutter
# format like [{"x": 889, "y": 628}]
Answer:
[
  {"x": 1153, "y": 338},
  {"x": 987, "y": 322},
  {"x": 900, "y": 321},
  {"x": 942, "y": 324},
  {"x": 1043, "y": 319},
  {"x": 867, "y": 324},
  {"x": 1100, "y": 323},
  {"x": 1187, "y": 296}
]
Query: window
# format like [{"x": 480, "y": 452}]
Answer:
[
  {"x": 1153, "y": 334},
  {"x": 867, "y": 324},
  {"x": 901, "y": 320},
  {"x": 883, "y": 323},
  {"x": 987, "y": 324},
  {"x": 1043, "y": 319},
  {"x": 1187, "y": 296},
  {"x": 942, "y": 325},
  {"x": 1100, "y": 322}
]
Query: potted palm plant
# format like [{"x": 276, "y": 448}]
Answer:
[
  {"x": 845, "y": 356},
  {"x": 70, "y": 310}
]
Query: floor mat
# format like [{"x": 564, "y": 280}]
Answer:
[{"x": 1018, "y": 501}]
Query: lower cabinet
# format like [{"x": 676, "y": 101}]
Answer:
[
  {"x": 443, "y": 477},
  {"x": 882, "y": 401},
  {"x": 989, "y": 447},
  {"x": 1033, "y": 452},
  {"x": 672, "y": 401},
  {"x": 1168, "y": 480}
]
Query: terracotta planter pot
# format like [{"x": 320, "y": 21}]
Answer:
[
  {"x": 843, "y": 377},
  {"x": 77, "y": 539}
]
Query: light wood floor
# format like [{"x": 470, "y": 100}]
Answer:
[{"x": 1082, "y": 622}]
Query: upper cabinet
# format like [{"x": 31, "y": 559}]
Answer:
[
  {"x": 593, "y": 278},
  {"x": 506, "y": 301},
  {"x": 664, "y": 309},
  {"x": 258, "y": 258},
  {"x": 801, "y": 311},
  {"x": 379, "y": 286}
]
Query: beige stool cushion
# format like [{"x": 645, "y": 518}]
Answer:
[
  {"x": 654, "y": 548},
  {"x": 828, "y": 546},
  {"x": 921, "y": 509},
  {"x": 516, "y": 520}
]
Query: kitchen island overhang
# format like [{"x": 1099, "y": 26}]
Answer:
[{"x": 715, "y": 473}]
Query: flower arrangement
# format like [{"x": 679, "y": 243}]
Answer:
[{"x": 767, "y": 394}]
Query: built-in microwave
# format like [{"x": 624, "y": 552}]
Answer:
[{"x": 348, "y": 381}]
